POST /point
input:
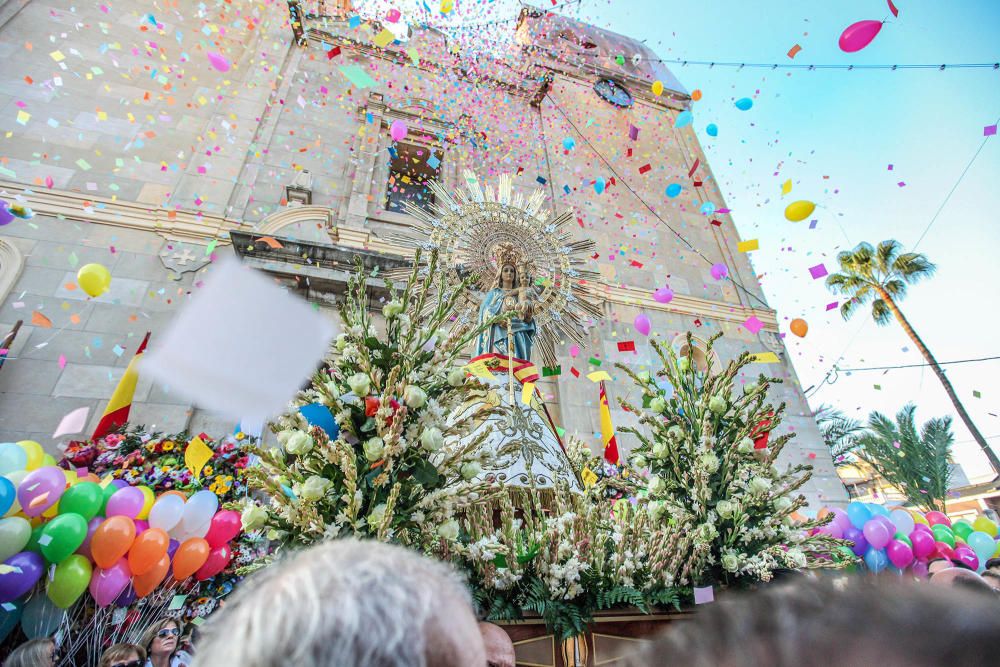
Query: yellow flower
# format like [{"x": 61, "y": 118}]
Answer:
[
  {"x": 168, "y": 445},
  {"x": 207, "y": 471},
  {"x": 240, "y": 435}
]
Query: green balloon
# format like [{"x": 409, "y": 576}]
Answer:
[
  {"x": 70, "y": 580},
  {"x": 14, "y": 535},
  {"x": 62, "y": 536},
  {"x": 962, "y": 528},
  {"x": 943, "y": 533},
  {"x": 36, "y": 534},
  {"x": 84, "y": 498},
  {"x": 904, "y": 539},
  {"x": 108, "y": 491}
]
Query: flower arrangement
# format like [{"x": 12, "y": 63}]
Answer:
[
  {"x": 380, "y": 446},
  {"x": 714, "y": 472}
]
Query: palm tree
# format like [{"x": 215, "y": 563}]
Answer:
[
  {"x": 839, "y": 432},
  {"x": 918, "y": 464},
  {"x": 880, "y": 276}
]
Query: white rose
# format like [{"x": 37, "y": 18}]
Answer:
[
  {"x": 414, "y": 397},
  {"x": 759, "y": 485},
  {"x": 314, "y": 488},
  {"x": 658, "y": 405},
  {"x": 639, "y": 461},
  {"x": 392, "y": 309},
  {"x": 660, "y": 450},
  {"x": 745, "y": 446},
  {"x": 432, "y": 439},
  {"x": 341, "y": 342},
  {"x": 725, "y": 508},
  {"x": 656, "y": 485},
  {"x": 717, "y": 404},
  {"x": 360, "y": 384},
  {"x": 374, "y": 448},
  {"x": 299, "y": 443},
  {"x": 254, "y": 516},
  {"x": 796, "y": 558},
  {"x": 730, "y": 562},
  {"x": 456, "y": 377},
  {"x": 471, "y": 469},
  {"x": 283, "y": 436},
  {"x": 709, "y": 462},
  {"x": 376, "y": 515},
  {"x": 448, "y": 530}
]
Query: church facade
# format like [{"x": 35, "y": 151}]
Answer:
[{"x": 151, "y": 143}]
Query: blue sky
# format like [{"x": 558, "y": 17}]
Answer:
[{"x": 834, "y": 134}]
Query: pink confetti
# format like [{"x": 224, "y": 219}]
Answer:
[
  {"x": 62, "y": 361},
  {"x": 753, "y": 324},
  {"x": 218, "y": 61},
  {"x": 817, "y": 271}
]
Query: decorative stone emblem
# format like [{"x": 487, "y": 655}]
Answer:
[{"x": 180, "y": 258}]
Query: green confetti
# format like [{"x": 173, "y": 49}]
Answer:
[
  {"x": 211, "y": 247},
  {"x": 594, "y": 362},
  {"x": 83, "y": 164},
  {"x": 975, "y": 392}
]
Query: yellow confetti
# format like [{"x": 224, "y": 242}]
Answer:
[
  {"x": 196, "y": 455},
  {"x": 786, "y": 187},
  {"x": 384, "y": 38},
  {"x": 747, "y": 246},
  {"x": 765, "y": 358},
  {"x": 526, "y": 392},
  {"x": 598, "y": 376},
  {"x": 23, "y": 117},
  {"x": 589, "y": 477},
  {"x": 57, "y": 56}
]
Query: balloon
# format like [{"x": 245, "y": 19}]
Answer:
[
  {"x": 34, "y": 452},
  {"x": 968, "y": 557},
  {"x": 905, "y": 539},
  {"x": 71, "y": 578},
  {"x": 642, "y": 324},
  {"x": 83, "y": 498},
  {"x": 198, "y": 512},
  {"x": 106, "y": 584},
  {"x": 744, "y": 103},
  {"x": 147, "y": 550},
  {"x": 708, "y": 208},
  {"x": 922, "y": 527},
  {"x": 712, "y": 130},
  {"x": 62, "y": 536},
  {"x": 569, "y": 143},
  {"x": 985, "y": 525},
  {"x": 125, "y": 502},
  {"x": 683, "y": 118},
  {"x": 94, "y": 279},
  {"x": 48, "y": 460},
  {"x": 318, "y": 414},
  {"x": 982, "y": 544},
  {"x": 860, "y": 543},
  {"x": 657, "y": 88},
  {"x": 216, "y": 562},
  {"x": 12, "y": 458},
  {"x": 126, "y": 597},
  {"x": 167, "y": 512},
  {"x": 190, "y": 556},
  {"x": 876, "y": 534},
  {"x": 15, "y": 532},
  {"x": 219, "y": 61},
  {"x": 111, "y": 541},
  {"x": 29, "y": 567},
  {"x": 859, "y": 35},
  {"x": 799, "y": 327},
  {"x": 962, "y": 528},
  {"x": 942, "y": 550},
  {"x": 902, "y": 520},
  {"x": 858, "y": 514},
  {"x": 40, "y": 490},
  {"x": 398, "y": 130},
  {"x": 8, "y": 495},
  {"x": 934, "y": 518},
  {"x": 92, "y": 526},
  {"x": 876, "y": 560},
  {"x": 673, "y": 189},
  {"x": 919, "y": 569},
  {"x": 942, "y": 533},
  {"x": 225, "y": 526},
  {"x": 40, "y": 617},
  {"x": 663, "y": 295},
  {"x": 840, "y": 518},
  {"x": 10, "y": 616},
  {"x": 141, "y": 527},
  {"x": 798, "y": 211},
  {"x": 599, "y": 185},
  {"x": 899, "y": 553},
  {"x": 919, "y": 519},
  {"x": 108, "y": 489},
  {"x": 719, "y": 271},
  {"x": 148, "y": 498},
  {"x": 146, "y": 583}
]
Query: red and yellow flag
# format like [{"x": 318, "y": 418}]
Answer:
[
  {"x": 608, "y": 430},
  {"x": 116, "y": 414}
]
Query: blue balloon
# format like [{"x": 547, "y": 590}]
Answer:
[
  {"x": 712, "y": 130},
  {"x": 673, "y": 189},
  {"x": 858, "y": 514},
  {"x": 708, "y": 208},
  {"x": 683, "y": 118},
  {"x": 569, "y": 143},
  {"x": 878, "y": 510},
  {"x": 599, "y": 185},
  {"x": 318, "y": 414},
  {"x": 8, "y": 494},
  {"x": 744, "y": 104},
  {"x": 12, "y": 458},
  {"x": 875, "y": 559},
  {"x": 10, "y": 619}
]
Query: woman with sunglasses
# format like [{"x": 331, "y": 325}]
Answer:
[
  {"x": 162, "y": 642},
  {"x": 123, "y": 655}
]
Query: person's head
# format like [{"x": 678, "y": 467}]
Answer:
[
  {"x": 992, "y": 578},
  {"x": 34, "y": 653},
  {"x": 961, "y": 578},
  {"x": 162, "y": 637},
  {"x": 935, "y": 565},
  {"x": 993, "y": 564},
  {"x": 508, "y": 276},
  {"x": 499, "y": 647},
  {"x": 820, "y": 623},
  {"x": 347, "y": 602},
  {"x": 123, "y": 655}
]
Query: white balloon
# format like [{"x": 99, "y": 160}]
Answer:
[
  {"x": 166, "y": 512},
  {"x": 903, "y": 521},
  {"x": 198, "y": 512}
]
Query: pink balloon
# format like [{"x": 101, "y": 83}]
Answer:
[
  {"x": 140, "y": 526},
  {"x": 218, "y": 61},
  {"x": 923, "y": 543},
  {"x": 217, "y": 561},
  {"x": 92, "y": 525},
  {"x": 125, "y": 502},
  {"x": 859, "y": 35},
  {"x": 945, "y": 551},
  {"x": 663, "y": 295},
  {"x": 934, "y": 518},
  {"x": 922, "y": 528},
  {"x": 107, "y": 584},
  {"x": 876, "y": 533},
  {"x": 720, "y": 271},
  {"x": 899, "y": 553},
  {"x": 968, "y": 556},
  {"x": 48, "y": 483},
  {"x": 397, "y": 130},
  {"x": 642, "y": 324},
  {"x": 225, "y": 526}
]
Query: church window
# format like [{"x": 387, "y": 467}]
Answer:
[{"x": 411, "y": 167}]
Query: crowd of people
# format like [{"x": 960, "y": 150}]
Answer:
[{"x": 350, "y": 602}]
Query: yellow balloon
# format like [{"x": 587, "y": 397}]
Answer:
[
  {"x": 94, "y": 279},
  {"x": 985, "y": 525},
  {"x": 657, "y": 88},
  {"x": 918, "y": 518},
  {"x": 36, "y": 455},
  {"x": 798, "y": 211},
  {"x": 15, "y": 478},
  {"x": 148, "y": 499},
  {"x": 47, "y": 460}
]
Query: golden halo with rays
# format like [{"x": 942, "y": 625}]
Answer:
[{"x": 477, "y": 230}]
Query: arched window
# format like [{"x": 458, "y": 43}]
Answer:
[
  {"x": 697, "y": 351},
  {"x": 11, "y": 263}
]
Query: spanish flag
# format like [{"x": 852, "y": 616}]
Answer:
[
  {"x": 116, "y": 414},
  {"x": 608, "y": 430}
]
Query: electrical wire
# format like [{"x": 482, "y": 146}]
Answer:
[
  {"x": 940, "y": 363},
  {"x": 783, "y": 66}
]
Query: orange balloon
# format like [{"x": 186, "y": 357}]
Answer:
[
  {"x": 145, "y": 583},
  {"x": 147, "y": 550},
  {"x": 696, "y": 95},
  {"x": 112, "y": 540},
  {"x": 799, "y": 327},
  {"x": 190, "y": 556}
]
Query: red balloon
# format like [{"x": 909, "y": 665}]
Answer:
[
  {"x": 217, "y": 561},
  {"x": 859, "y": 35},
  {"x": 944, "y": 551},
  {"x": 225, "y": 526}
]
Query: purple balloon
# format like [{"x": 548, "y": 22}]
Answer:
[
  {"x": 663, "y": 294},
  {"x": 860, "y": 543},
  {"x": 642, "y": 323},
  {"x": 140, "y": 526},
  {"x": 172, "y": 547},
  {"x": 92, "y": 525},
  {"x": 120, "y": 484},
  {"x": 48, "y": 480},
  {"x": 15, "y": 584},
  {"x": 125, "y": 502},
  {"x": 967, "y": 556},
  {"x": 126, "y": 598},
  {"x": 923, "y": 543},
  {"x": 919, "y": 569},
  {"x": 876, "y": 533},
  {"x": 6, "y": 217},
  {"x": 719, "y": 271}
]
